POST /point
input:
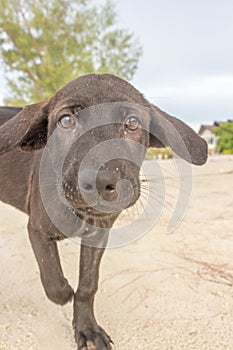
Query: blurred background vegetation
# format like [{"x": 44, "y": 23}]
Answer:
[
  {"x": 225, "y": 141},
  {"x": 158, "y": 153},
  {"x": 44, "y": 44}
]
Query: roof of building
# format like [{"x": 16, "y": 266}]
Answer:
[
  {"x": 213, "y": 126},
  {"x": 206, "y": 127}
]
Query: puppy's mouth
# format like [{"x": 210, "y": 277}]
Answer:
[
  {"x": 78, "y": 205},
  {"x": 93, "y": 205},
  {"x": 90, "y": 212},
  {"x": 97, "y": 210}
]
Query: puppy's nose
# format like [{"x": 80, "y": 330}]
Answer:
[
  {"x": 103, "y": 184},
  {"x": 106, "y": 184}
]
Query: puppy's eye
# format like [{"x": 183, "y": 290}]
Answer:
[
  {"x": 67, "y": 121},
  {"x": 132, "y": 123}
]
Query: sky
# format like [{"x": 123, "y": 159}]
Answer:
[{"x": 187, "y": 63}]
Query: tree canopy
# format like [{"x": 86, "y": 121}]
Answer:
[
  {"x": 225, "y": 141},
  {"x": 44, "y": 44}
]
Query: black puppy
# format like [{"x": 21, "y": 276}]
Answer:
[{"x": 84, "y": 148}]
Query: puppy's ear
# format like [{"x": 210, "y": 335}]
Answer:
[
  {"x": 27, "y": 130},
  {"x": 168, "y": 131}
]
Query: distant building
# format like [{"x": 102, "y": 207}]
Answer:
[{"x": 206, "y": 132}]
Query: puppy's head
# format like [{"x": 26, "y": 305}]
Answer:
[
  {"x": 103, "y": 148},
  {"x": 99, "y": 128}
]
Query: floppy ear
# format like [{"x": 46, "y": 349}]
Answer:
[
  {"x": 6, "y": 113},
  {"x": 27, "y": 130},
  {"x": 168, "y": 131}
]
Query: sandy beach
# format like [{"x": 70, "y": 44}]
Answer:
[{"x": 161, "y": 292}]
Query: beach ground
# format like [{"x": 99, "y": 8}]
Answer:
[{"x": 161, "y": 292}]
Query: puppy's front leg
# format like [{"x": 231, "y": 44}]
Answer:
[
  {"x": 85, "y": 325},
  {"x": 55, "y": 284}
]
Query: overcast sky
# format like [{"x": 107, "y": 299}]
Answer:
[{"x": 187, "y": 63}]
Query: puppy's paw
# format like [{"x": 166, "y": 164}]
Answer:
[{"x": 93, "y": 339}]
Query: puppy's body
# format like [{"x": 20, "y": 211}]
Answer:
[
  {"x": 128, "y": 124},
  {"x": 16, "y": 176}
]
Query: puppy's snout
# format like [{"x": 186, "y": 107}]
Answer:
[
  {"x": 102, "y": 183},
  {"x": 106, "y": 183}
]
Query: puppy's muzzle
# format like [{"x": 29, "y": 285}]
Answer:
[
  {"x": 103, "y": 183},
  {"x": 104, "y": 190}
]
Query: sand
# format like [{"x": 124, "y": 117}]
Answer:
[{"x": 161, "y": 292}]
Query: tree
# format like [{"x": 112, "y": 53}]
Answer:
[
  {"x": 225, "y": 141},
  {"x": 46, "y": 43}
]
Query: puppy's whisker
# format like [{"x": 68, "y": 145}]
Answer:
[
  {"x": 158, "y": 199},
  {"x": 153, "y": 191}
]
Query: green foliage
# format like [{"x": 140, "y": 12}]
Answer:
[
  {"x": 44, "y": 44},
  {"x": 225, "y": 141},
  {"x": 160, "y": 153}
]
